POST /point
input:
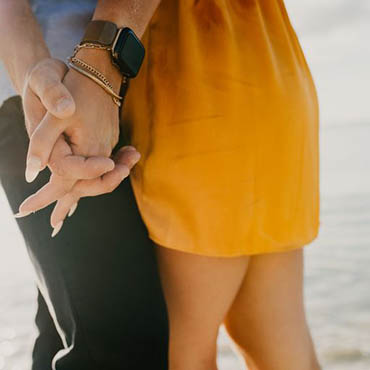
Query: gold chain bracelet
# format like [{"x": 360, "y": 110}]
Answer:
[
  {"x": 96, "y": 76},
  {"x": 90, "y": 45}
]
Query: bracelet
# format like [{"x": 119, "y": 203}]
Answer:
[
  {"x": 91, "y": 45},
  {"x": 96, "y": 76}
]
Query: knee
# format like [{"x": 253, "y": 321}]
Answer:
[{"x": 265, "y": 348}]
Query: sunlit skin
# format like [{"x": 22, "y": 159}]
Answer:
[
  {"x": 92, "y": 129},
  {"x": 259, "y": 298}
]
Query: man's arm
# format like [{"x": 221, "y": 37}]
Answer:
[
  {"x": 22, "y": 44},
  {"x": 96, "y": 124},
  {"x": 135, "y": 14},
  {"x": 38, "y": 78},
  {"x": 35, "y": 76}
]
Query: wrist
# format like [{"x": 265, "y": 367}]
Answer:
[
  {"x": 133, "y": 14},
  {"x": 126, "y": 21},
  {"x": 102, "y": 61}
]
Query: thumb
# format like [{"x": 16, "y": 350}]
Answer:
[{"x": 46, "y": 82}]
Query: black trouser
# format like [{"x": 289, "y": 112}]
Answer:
[{"x": 102, "y": 305}]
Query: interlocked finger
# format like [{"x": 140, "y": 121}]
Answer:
[
  {"x": 65, "y": 206},
  {"x": 48, "y": 194},
  {"x": 66, "y": 169},
  {"x": 67, "y": 165},
  {"x": 125, "y": 159}
]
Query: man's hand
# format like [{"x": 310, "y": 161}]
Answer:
[
  {"x": 44, "y": 83},
  {"x": 44, "y": 91},
  {"x": 92, "y": 132}
]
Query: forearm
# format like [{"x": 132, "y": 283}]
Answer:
[
  {"x": 135, "y": 14},
  {"x": 22, "y": 44}
]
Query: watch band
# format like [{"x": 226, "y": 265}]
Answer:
[
  {"x": 127, "y": 52},
  {"x": 100, "y": 32}
]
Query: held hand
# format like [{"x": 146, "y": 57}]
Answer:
[
  {"x": 68, "y": 193},
  {"x": 92, "y": 130},
  {"x": 125, "y": 159},
  {"x": 44, "y": 92}
]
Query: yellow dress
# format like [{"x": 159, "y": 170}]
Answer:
[{"x": 225, "y": 115}]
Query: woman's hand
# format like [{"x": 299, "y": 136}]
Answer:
[
  {"x": 44, "y": 92},
  {"x": 92, "y": 130}
]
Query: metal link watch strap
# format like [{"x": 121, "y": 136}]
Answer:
[{"x": 100, "y": 32}]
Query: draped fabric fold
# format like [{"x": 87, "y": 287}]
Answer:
[{"x": 225, "y": 115}]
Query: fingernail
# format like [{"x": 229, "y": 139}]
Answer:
[
  {"x": 135, "y": 157},
  {"x": 33, "y": 168},
  {"x": 130, "y": 148},
  {"x": 57, "y": 229},
  {"x": 72, "y": 210},
  {"x": 22, "y": 214},
  {"x": 63, "y": 104}
]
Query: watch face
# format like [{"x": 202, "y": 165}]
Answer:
[{"x": 129, "y": 52}]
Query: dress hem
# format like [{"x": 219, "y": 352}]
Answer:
[{"x": 236, "y": 254}]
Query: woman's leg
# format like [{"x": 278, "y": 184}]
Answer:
[
  {"x": 267, "y": 319},
  {"x": 199, "y": 292},
  {"x": 98, "y": 277}
]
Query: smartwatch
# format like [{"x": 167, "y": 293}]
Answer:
[{"x": 126, "y": 49}]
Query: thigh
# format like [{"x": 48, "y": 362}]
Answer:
[
  {"x": 98, "y": 277},
  {"x": 199, "y": 291},
  {"x": 267, "y": 319}
]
